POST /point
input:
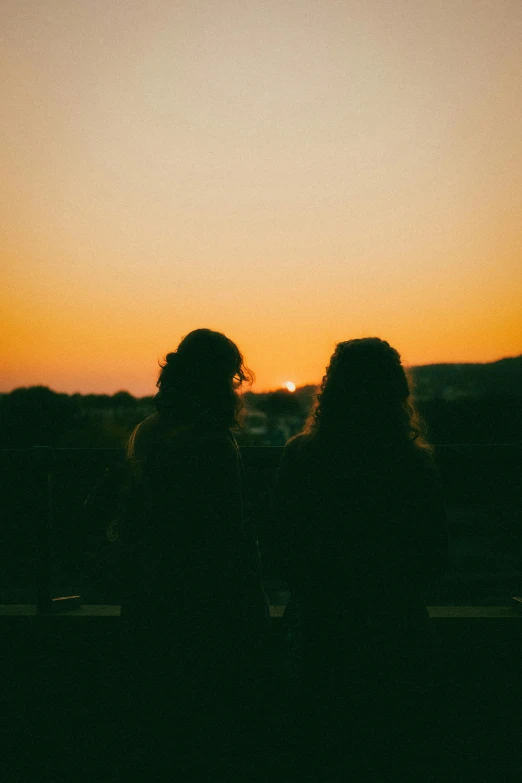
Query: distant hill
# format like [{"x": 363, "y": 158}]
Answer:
[
  {"x": 455, "y": 381},
  {"x": 440, "y": 381}
]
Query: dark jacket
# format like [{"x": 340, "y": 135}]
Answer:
[
  {"x": 191, "y": 559},
  {"x": 361, "y": 539}
]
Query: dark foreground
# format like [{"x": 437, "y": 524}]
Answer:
[{"x": 70, "y": 713}]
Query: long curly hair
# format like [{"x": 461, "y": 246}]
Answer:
[
  {"x": 198, "y": 382},
  {"x": 365, "y": 398}
]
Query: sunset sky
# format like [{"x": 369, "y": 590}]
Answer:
[{"x": 291, "y": 173}]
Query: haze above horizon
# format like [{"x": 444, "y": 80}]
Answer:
[{"x": 292, "y": 174}]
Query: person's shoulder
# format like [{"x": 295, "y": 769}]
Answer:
[
  {"x": 423, "y": 458},
  {"x": 412, "y": 452},
  {"x": 297, "y": 443},
  {"x": 422, "y": 469},
  {"x": 142, "y": 437},
  {"x": 149, "y": 424},
  {"x": 304, "y": 439},
  {"x": 298, "y": 448}
]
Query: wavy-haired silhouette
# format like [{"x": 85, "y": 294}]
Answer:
[
  {"x": 360, "y": 524},
  {"x": 194, "y": 607},
  {"x": 198, "y": 382}
]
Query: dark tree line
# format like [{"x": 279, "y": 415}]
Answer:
[
  {"x": 38, "y": 416},
  {"x": 490, "y": 419}
]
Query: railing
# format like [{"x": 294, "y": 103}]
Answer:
[{"x": 44, "y": 489}]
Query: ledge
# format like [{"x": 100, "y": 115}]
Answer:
[
  {"x": 89, "y": 610},
  {"x": 472, "y": 611},
  {"x": 276, "y": 611}
]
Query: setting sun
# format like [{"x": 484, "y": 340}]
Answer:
[{"x": 289, "y": 385}]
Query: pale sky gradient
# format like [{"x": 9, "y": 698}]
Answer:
[{"x": 290, "y": 173}]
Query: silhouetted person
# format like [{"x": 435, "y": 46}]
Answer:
[
  {"x": 360, "y": 528},
  {"x": 194, "y": 608}
]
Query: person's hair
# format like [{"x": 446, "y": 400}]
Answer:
[
  {"x": 365, "y": 398},
  {"x": 198, "y": 381}
]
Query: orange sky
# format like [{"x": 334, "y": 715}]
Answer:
[{"x": 290, "y": 173}]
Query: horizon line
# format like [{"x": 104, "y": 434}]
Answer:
[{"x": 260, "y": 391}]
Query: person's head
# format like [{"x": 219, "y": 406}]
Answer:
[
  {"x": 365, "y": 396},
  {"x": 198, "y": 381}
]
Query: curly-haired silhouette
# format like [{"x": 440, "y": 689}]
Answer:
[
  {"x": 360, "y": 524},
  {"x": 365, "y": 397},
  {"x": 194, "y": 607}
]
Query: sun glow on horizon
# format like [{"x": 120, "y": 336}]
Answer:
[{"x": 289, "y": 385}]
